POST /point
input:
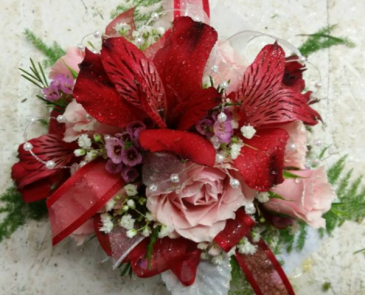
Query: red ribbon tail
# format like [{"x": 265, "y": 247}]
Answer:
[
  {"x": 264, "y": 272},
  {"x": 81, "y": 197}
]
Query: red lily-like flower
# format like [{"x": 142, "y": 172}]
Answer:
[
  {"x": 121, "y": 85},
  {"x": 34, "y": 181},
  {"x": 268, "y": 100}
]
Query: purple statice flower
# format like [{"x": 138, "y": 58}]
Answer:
[
  {"x": 51, "y": 93},
  {"x": 114, "y": 150},
  {"x": 223, "y": 131},
  {"x": 129, "y": 174},
  {"x": 135, "y": 127},
  {"x": 60, "y": 84},
  {"x": 204, "y": 126},
  {"x": 125, "y": 137},
  {"x": 113, "y": 168},
  {"x": 131, "y": 157},
  {"x": 65, "y": 84}
]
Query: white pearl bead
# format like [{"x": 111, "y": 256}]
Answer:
[
  {"x": 27, "y": 146},
  {"x": 234, "y": 183},
  {"x": 139, "y": 41},
  {"x": 50, "y": 164},
  {"x": 80, "y": 46},
  {"x": 175, "y": 178},
  {"x": 82, "y": 163},
  {"x": 33, "y": 120},
  {"x": 97, "y": 34},
  {"x": 219, "y": 158},
  {"x": 215, "y": 68},
  {"x": 250, "y": 208},
  {"x": 302, "y": 59},
  {"x": 60, "y": 119},
  {"x": 153, "y": 187},
  {"x": 222, "y": 117},
  {"x": 318, "y": 85},
  {"x": 155, "y": 16},
  {"x": 292, "y": 147}
]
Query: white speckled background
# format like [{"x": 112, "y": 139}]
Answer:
[{"x": 29, "y": 265}]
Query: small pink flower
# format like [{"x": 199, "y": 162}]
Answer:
[
  {"x": 198, "y": 210},
  {"x": 73, "y": 58},
  {"x": 307, "y": 198},
  {"x": 296, "y": 148}
]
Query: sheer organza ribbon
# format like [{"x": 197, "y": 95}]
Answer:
[
  {"x": 80, "y": 198},
  {"x": 262, "y": 269},
  {"x": 180, "y": 5}
]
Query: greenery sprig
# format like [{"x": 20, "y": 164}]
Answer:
[{"x": 17, "y": 212}]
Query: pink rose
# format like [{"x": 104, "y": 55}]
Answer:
[
  {"x": 73, "y": 58},
  {"x": 296, "y": 148},
  {"x": 197, "y": 210},
  {"x": 77, "y": 123},
  {"x": 83, "y": 232},
  {"x": 307, "y": 198}
]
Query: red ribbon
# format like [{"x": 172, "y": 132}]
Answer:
[
  {"x": 80, "y": 197},
  {"x": 179, "y": 6},
  {"x": 262, "y": 269}
]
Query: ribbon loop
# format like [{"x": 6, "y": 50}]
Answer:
[{"x": 81, "y": 197}]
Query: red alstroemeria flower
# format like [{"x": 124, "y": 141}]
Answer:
[
  {"x": 34, "y": 181},
  {"x": 121, "y": 85},
  {"x": 268, "y": 101}
]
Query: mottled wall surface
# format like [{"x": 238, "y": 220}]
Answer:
[{"x": 28, "y": 263}]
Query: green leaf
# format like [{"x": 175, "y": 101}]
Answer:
[
  {"x": 321, "y": 40},
  {"x": 288, "y": 175},
  {"x": 53, "y": 53},
  {"x": 273, "y": 195},
  {"x": 151, "y": 245}
]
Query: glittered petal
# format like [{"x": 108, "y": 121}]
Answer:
[
  {"x": 261, "y": 160},
  {"x": 188, "y": 146},
  {"x": 264, "y": 100},
  {"x": 182, "y": 60},
  {"x": 135, "y": 77},
  {"x": 197, "y": 107},
  {"x": 98, "y": 96}
]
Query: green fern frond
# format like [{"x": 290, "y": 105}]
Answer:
[
  {"x": 16, "y": 212},
  {"x": 322, "y": 40},
  {"x": 53, "y": 53},
  {"x": 351, "y": 198}
]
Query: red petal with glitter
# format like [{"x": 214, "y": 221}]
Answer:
[
  {"x": 182, "y": 60},
  {"x": 188, "y": 146},
  {"x": 166, "y": 254},
  {"x": 124, "y": 18},
  {"x": 264, "y": 100},
  {"x": 135, "y": 77},
  {"x": 197, "y": 107},
  {"x": 261, "y": 160},
  {"x": 98, "y": 96},
  {"x": 234, "y": 231}
]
